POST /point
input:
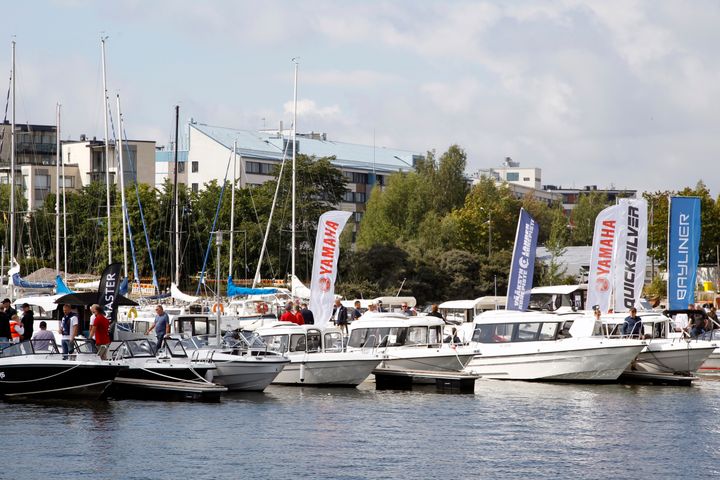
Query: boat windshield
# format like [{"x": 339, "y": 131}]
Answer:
[
  {"x": 515, "y": 332},
  {"x": 394, "y": 336},
  {"x": 136, "y": 348},
  {"x": 175, "y": 347},
  {"x": 28, "y": 347},
  {"x": 276, "y": 343},
  {"x": 333, "y": 342}
]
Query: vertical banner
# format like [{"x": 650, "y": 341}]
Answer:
[
  {"x": 324, "y": 271},
  {"x": 683, "y": 251},
  {"x": 631, "y": 253},
  {"x": 108, "y": 291},
  {"x": 600, "y": 276},
  {"x": 523, "y": 263}
]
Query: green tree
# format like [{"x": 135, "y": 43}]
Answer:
[{"x": 582, "y": 217}]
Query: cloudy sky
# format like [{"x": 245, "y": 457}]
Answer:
[{"x": 622, "y": 93}]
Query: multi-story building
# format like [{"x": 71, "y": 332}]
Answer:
[
  {"x": 89, "y": 156},
  {"x": 571, "y": 196},
  {"x": 35, "y": 162},
  {"x": 210, "y": 150},
  {"x": 521, "y": 181}
]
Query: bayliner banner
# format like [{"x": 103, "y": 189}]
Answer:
[
  {"x": 631, "y": 253},
  {"x": 683, "y": 251},
  {"x": 324, "y": 272},
  {"x": 523, "y": 263},
  {"x": 600, "y": 276},
  {"x": 108, "y": 291}
]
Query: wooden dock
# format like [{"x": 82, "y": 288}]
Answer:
[{"x": 445, "y": 382}]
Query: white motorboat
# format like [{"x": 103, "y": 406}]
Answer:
[
  {"x": 540, "y": 346},
  {"x": 408, "y": 342},
  {"x": 666, "y": 351},
  {"x": 316, "y": 356},
  {"x": 240, "y": 367}
]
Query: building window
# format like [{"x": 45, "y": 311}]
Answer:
[
  {"x": 195, "y": 188},
  {"x": 358, "y": 216},
  {"x": 181, "y": 167},
  {"x": 258, "y": 168},
  {"x": 349, "y": 197},
  {"x": 69, "y": 182},
  {"x": 512, "y": 176},
  {"x": 360, "y": 197},
  {"x": 526, "y": 179},
  {"x": 195, "y": 167}
]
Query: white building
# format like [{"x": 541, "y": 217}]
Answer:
[
  {"x": 521, "y": 181},
  {"x": 210, "y": 151}
]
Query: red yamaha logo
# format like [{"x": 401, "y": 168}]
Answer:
[
  {"x": 603, "y": 285},
  {"x": 324, "y": 284}
]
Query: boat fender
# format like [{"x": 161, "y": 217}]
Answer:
[
  {"x": 132, "y": 313},
  {"x": 302, "y": 372},
  {"x": 218, "y": 306}
]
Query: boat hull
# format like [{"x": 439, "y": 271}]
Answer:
[
  {"x": 711, "y": 366},
  {"x": 333, "y": 370},
  {"x": 428, "y": 360},
  {"x": 600, "y": 363},
  {"x": 672, "y": 357},
  {"x": 161, "y": 380},
  {"x": 57, "y": 379},
  {"x": 251, "y": 374}
]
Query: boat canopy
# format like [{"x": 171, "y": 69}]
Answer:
[{"x": 183, "y": 297}]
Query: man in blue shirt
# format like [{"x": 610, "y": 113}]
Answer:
[
  {"x": 633, "y": 325},
  {"x": 161, "y": 325}
]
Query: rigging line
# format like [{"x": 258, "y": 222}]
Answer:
[{"x": 217, "y": 214}]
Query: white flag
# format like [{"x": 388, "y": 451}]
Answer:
[
  {"x": 600, "y": 276},
  {"x": 630, "y": 254},
  {"x": 324, "y": 272}
]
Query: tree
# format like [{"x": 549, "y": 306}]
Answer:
[
  {"x": 582, "y": 217},
  {"x": 450, "y": 182}
]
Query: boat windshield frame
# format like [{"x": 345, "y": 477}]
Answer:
[
  {"x": 518, "y": 332},
  {"x": 30, "y": 347}
]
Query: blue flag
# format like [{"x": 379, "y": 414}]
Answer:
[
  {"x": 683, "y": 251},
  {"x": 523, "y": 262}
]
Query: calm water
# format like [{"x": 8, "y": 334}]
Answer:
[{"x": 504, "y": 430}]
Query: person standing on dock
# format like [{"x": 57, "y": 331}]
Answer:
[
  {"x": 307, "y": 314},
  {"x": 161, "y": 325},
  {"x": 68, "y": 329},
  {"x": 28, "y": 319}
]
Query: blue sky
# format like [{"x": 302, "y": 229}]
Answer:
[{"x": 609, "y": 93}]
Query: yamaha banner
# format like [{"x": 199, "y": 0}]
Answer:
[
  {"x": 631, "y": 253},
  {"x": 683, "y": 251},
  {"x": 108, "y": 291},
  {"x": 523, "y": 263},
  {"x": 324, "y": 272},
  {"x": 600, "y": 276}
]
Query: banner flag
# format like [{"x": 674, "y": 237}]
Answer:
[
  {"x": 324, "y": 271},
  {"x": 683, "y": 251},
  {"x": 523, "y": 262},
  {"x": 600, "y": 276},
  {"x": 109, "y": 289},
  {"x": 631, "y": 253}
]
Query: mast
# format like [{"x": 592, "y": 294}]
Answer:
[
  {"x": 176, "y": 200},
  {"x": 107, "y": 150},
  {"x": 64, "y": 220},
  {"x": 121, "y": 172},
  {"x": 12, "y": 168},
  {"x": 57, "y": 190},
  {"x": 294, "y": 133},
  {"x": 232, "y": 209}
]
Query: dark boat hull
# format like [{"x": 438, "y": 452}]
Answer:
[
  {"x": 58, "y": 380},
  {"x": 170, "y": 384}
]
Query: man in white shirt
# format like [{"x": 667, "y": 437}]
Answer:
[{"x": 69, "y": 327}]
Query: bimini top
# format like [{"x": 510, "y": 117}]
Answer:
[
  {"x": 513, "y": 316},
  {"x": 391, "y": 319},
  {"x": 559, "y": 289},
  {"x": 481, "y": 302}
]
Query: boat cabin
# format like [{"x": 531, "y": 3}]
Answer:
[
  {"x": 395, "y": 330},
  {"x": 193, "y": 325},
  {"x": 464, "y": 311},
  {"x": 558, "y": 298},
  {"x": 511, "y": 327},
  {"x": 285, "y": 338}
]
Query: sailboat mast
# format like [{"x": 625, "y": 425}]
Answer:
[
  {"x": 121, "y": 172},
  {"x": 294, "y": 148},
  {"x": 107, "y": 150},
  {"x": 232, "y": 209},
  {"x": 57, "y": 190},
  {"x": 176, "y": 200},
  {"x": 12, "y": 167},
  {"x": 64, "y": 222}
]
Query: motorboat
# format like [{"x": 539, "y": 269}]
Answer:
[
  {"x": 546, "y": 346},
  {"x": 242, "y": 363},
  {"x": 166, "y": 374},
  {"x": 461, "y": 313},
  {"x": 317, "y": 356},
  {"x": 408, "y": 342},
  {"x": 666, "y": 351},
  {"x": 36, "y": 369},
  {"x": 679, "y": 326}
]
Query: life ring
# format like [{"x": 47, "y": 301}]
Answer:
[
  {"x": 132, "y": 313},
  {"x": 218, "y": 306},
  {"x": 262, "y": 308}
]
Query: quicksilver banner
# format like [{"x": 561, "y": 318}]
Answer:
[
  {"x": 324, "y": 272},
  {"x": 683, "y": 251},
  {"x": 631, "y": 253},
  {"x": 523, "y": 263}
]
